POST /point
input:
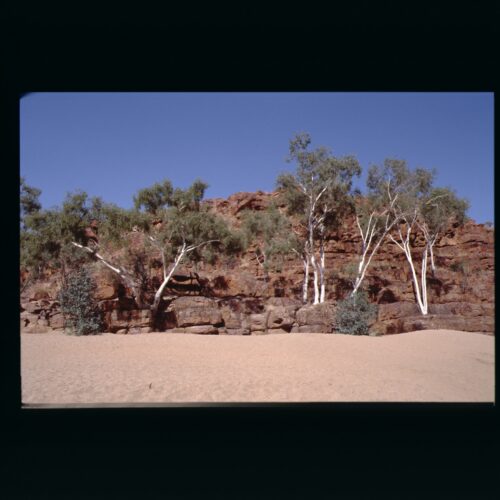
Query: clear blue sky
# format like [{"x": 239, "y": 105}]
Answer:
[{"x": 112, "y": 144}]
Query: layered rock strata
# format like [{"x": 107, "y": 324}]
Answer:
[{"x": 235, "y": 297}]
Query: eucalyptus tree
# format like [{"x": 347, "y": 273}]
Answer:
[
  {"x": 375, "y": 216},
  {"x": 171, "y": 221},
  {"x": 32, "y": 256},
  {"x": 44, "y": 234},
  {"x": 319, "y": 196},
  {"x": 180, "y": 228},
  {"x": 441, "y": 207},
  {"x": 416, "y": 205},
  {"x": 111, "y": 248}
]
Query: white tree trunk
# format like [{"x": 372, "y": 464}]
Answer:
[
  {"x": 363, "y": 266},
  {"x": 421, "y": 304},
  {"x": 322, "y": 272},
  {"x": 424, "y": 282},
  {"x": 433, "y": 267},
  {"x": 305, "y": 285},
  {"x": 166, "y": 278},
  {"x": 316, "y": 279},
  {"x": 124, "y": 276}
]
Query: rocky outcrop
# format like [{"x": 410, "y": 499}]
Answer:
[{"x": 235, "y": 297}]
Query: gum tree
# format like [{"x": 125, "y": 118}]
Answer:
[
  {"x": 418, "y": 208},
  {"x": 375, "y": 217},
  {"x": 177, "y": 226},
  {"x": 172, "y": 223},
  {"x": 318, "y": 195},
  {"x": 441, "y": 207}
]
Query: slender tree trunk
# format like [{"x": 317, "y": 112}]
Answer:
[
  {"x": 363, "y": 266},
  {"x": 124, "y": 276},
  {"x": 314, "y": 264},
  {"x": 316, "y": 278},
  {"x": 166, "y": 279},
  {"x": 433, "y": 267},
  {"x": 421, "y": 304},
  {"x": 322, "y": 271},
  {"x": 424, "y": 281},
  {"x": 305, "y": 285}
]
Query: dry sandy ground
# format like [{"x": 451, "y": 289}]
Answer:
[{"x": 439, "y": 365}]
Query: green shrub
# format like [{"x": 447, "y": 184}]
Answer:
[
  {"x": 354, "y": 314},
  {"x": 78, "y": 306}
]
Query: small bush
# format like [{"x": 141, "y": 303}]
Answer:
[
  {"x": 354, "y": 314},
  {"x": 78, "y": 306}
]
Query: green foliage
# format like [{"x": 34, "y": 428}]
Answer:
[
  {"x": 350, "y": 272},
  {"x": 29, "y": 199},
  {"x": 395, "y": 178},
  {"x": 354, "y": 314},
  {"x": 415, "y": 193},
  {"x": 318, "y": 174},
  {"x": 155, "y": 197},
  {"x": 162, "y": 195},
  {"x": 79, "y": 308},
  {"x": 442, "y": 205},
  {"x": 272, "y": 232},
  {"x": 183, "y": 221}
]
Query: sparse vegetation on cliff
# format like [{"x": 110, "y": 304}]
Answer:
[{"x": 172, "y": 237}]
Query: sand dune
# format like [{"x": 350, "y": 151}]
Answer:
[{"x": 430, "y": 366}]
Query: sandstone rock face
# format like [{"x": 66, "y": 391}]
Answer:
[
  {"x": 193, "y": 316},
  {"x": 320, "y": 316},
  {"x": 236, "y": 298},
  {"x": 125, "y": 320},
  {"x": 281, "y": 318},
  {"x": 196, "y": 311},
  {"x": 105, "y": 292}
]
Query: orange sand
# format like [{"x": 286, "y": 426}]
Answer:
[{"x": 432, "y": 365}]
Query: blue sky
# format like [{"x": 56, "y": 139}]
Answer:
[{"x": 112, "y": 144}]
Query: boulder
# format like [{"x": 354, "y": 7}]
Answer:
[
  {"x": 465, "y": 309},
  {"x": 202, "y": 329},
  {"x": 231, "y": 318},
  {"x": 194, "y": 311},
  {"x": 193, "y": 316},
  {"x": 119, "y": 320},
  {"x": 190, "y": 302},
  {"x": 105, "y": 291},
  {"x": 319, "y": 314},
  {"x": 396, "y": 310},
  {"x": 281, "y": 317},
  {"x": 56, "y": 320},
  {"x": 258, "y": 322}
]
